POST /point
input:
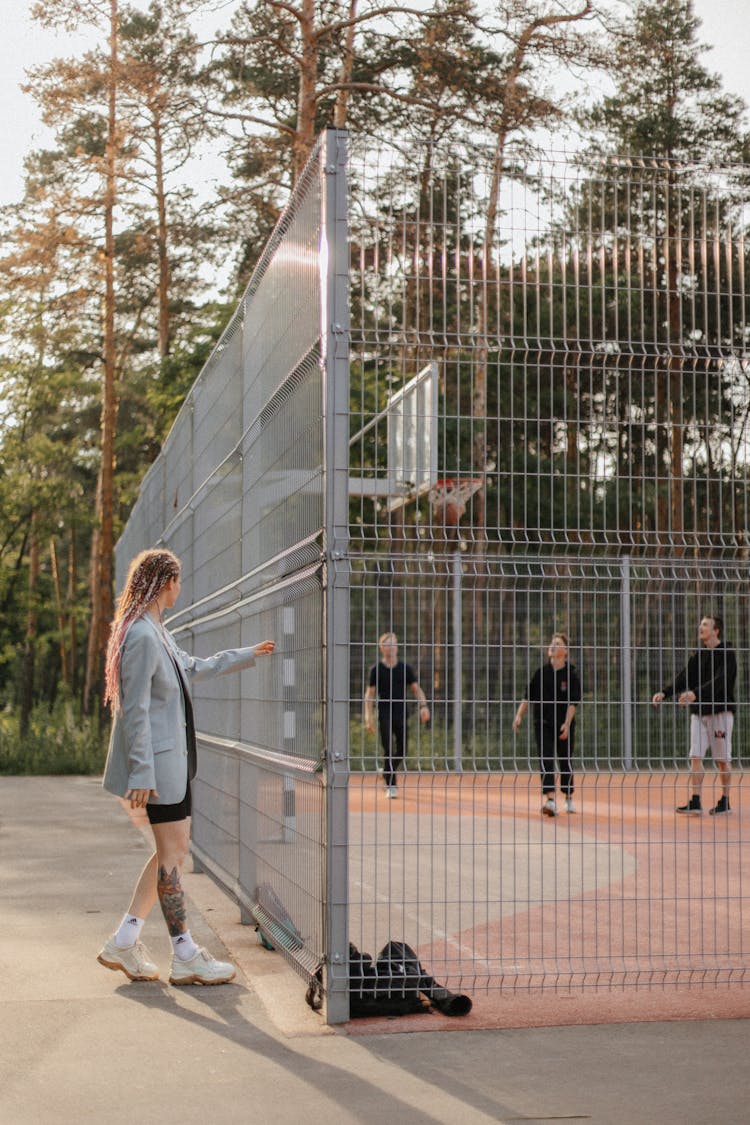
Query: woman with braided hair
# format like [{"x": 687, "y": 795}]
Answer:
[{"x": 152, "y": 760}]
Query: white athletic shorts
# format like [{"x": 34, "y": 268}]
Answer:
[{"x": 714, "y": 731}]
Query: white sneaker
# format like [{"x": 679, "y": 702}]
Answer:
[
  {"x": 549, "y": 808},
  {"x": 201, "y": 969},
  {"x": 569, "y": 806},
  {"x": 132, "y": 960},
  {"x": 391, "y": 791}
]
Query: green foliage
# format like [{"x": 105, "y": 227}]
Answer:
[
  {"x": 59, "y": 740},
  {"x": 667, "y": 103},
  {"x": 439, "y": 75},
  {"x": 428, "y": 749}
]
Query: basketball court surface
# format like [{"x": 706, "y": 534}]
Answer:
[{"x": 623, "y": 910}]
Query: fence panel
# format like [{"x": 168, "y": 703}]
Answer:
[
  {"x": 462, "y": 865},
  {"x": 239, "y": 493},
  {"x": 588, "y": 320},
  {"x": 515, "y": 402}
]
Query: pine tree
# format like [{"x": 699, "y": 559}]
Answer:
[
  {"x": 163, "y": 98},
  {"x": 47, "y": 441},
  {"x": 81, "y": 100},
  {"x": 127, "y": 118},
  {"x": 669, "y": 119}
]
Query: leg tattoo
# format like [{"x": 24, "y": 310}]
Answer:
[{"x": 172, "y": 900}]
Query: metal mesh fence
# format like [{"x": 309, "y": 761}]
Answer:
[
  {"x": 588, "y": 321},
  {"x": 590, "y": 326},
  {"x": 474, "y": 400},
  {"x": 238, "y": 493},
  {"x": 494, "y": 895}
]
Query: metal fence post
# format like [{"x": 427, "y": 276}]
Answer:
[
  {"x": 335, "y": 344},
  {"x": 625, "y": 665},
  {"x": 458, "y": 704}
]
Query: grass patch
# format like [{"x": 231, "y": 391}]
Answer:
[
  {"x": 660, "y": 741},
  {"x": 59, "y": 740}
]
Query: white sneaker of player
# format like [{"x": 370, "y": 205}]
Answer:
[{"x": 549, "y": 808}]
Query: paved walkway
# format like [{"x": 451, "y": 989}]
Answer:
[{"x": 81, "y": 1044}]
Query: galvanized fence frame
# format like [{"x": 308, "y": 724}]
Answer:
[
  {"x": 559, "y": 344},
  {"x": 246, "y": 492},
  {"x": 588, "y": 319}
]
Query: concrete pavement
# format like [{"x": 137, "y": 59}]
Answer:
[{"x": 79, "y": 1043}]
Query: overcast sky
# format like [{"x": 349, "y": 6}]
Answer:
[{"x": 23, "y": 44}]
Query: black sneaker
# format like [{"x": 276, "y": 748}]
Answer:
[
  {"x": 721, "y": 807},
  {"x": 692, "y": 808}
]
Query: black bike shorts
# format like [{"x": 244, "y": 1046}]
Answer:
[{"x": 166, "y": 814}]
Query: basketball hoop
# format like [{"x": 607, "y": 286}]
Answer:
[{"x": 452, "y": 495}]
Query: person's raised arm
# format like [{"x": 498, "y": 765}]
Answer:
[{"x": 233, "y": 660}]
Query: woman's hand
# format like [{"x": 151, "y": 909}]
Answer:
[
  {"x": 265, "y": 648},
  {"x": 139, "y": 798}
]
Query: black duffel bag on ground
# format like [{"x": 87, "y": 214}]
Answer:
[{"x": 396, "y": 984}]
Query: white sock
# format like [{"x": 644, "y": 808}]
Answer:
[
  {"x": 184, "y": 947},
  {"x": 129, "y": 931}
]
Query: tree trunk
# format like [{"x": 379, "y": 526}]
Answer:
[
  {"x": 103, "y": 542},
  {"x": 93, "y": 669},
  {"x": 72, "y": 627},
  {"x": 29, "y": 652},
  {"x": 541, "y": 24},
  {"x": 304, "y": 139},
  {"x": 345, "y": 73},
  {"x": 675, "y": 364},
  {"x": 165, "y": 335},
  {"x": 64, "y": 672}
]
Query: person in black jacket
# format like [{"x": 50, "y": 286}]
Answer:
[
  {"x": 554, "y": 692},
  {"x": 388, "y": 682},
  {"x": 706, "y": 686}
]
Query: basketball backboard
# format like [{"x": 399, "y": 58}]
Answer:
[{"x": 411, "y": 420}]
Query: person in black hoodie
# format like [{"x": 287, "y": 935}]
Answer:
[
  {"x": 706, "y": 686},
  {"x": 554, "y": 692}
]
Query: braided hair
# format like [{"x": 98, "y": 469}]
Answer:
[{"x": 148, "y": 574}]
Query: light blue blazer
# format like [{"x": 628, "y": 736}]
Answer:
[{"x": 152, "y": 745}]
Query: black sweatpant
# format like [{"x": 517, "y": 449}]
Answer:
[
  {"x": 554, "y": 749},
  {"x": 393, "y": 737}
]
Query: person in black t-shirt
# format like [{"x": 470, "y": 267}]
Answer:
[
  {"x": 388, "y": 682},
  {"x": 706, "y": 686},
  {"x": 553, "y": 693}
]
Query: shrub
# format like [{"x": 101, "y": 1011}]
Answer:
[{"x": 59, "y": 740}]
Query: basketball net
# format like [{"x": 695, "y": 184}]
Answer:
[{"x": 450, "y": 497}]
